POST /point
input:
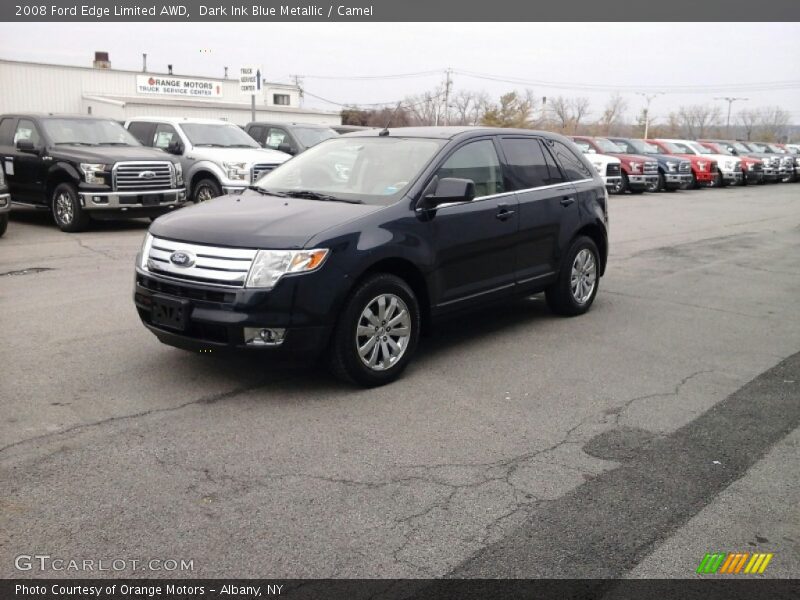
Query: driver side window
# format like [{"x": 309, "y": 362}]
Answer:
[
  {"x": 164, "y": 136},
  {"x": 476, "y": 161},
  {"x": 26, "y": 130}
]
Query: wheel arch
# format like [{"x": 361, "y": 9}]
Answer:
[
  {"x": 56, "y": 176},
  {"x": 599, "y": 236}
]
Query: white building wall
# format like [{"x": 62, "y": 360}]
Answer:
[{"x": 34, "y": 87}]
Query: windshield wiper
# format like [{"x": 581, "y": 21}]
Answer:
[
  {"x": 261, "y": 190},
  {"x": 74, "y": 144},
  {"x": 212, "y": 145},
  {"x": 310, "y": 195},
  {"x": 113, "y": 144}
]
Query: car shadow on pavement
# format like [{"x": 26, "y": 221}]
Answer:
[{"x": 43, "y": 218}]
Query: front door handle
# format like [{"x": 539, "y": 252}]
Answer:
[
  {"x": 503, "y": 212},
  {"x": 566, "y": 201}
]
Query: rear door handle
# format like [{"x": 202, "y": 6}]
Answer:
[
  {"x": 503, "y": 212},
  {"x": 566, "y": 201}
]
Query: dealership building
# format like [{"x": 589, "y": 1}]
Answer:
[{"x": 102, "y": 91}]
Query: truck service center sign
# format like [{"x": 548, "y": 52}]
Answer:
[
  {"x": 250, "y": 79},
  {"x": 166, "y": 85}
]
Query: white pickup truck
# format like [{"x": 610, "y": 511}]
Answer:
[
  {"x": 730, "y": 167},
  {"x": 609, "y": 167}
]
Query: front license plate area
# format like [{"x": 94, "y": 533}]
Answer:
[
  {"x": 170, "y": 313},
  {"x": 151, "y": 199}
]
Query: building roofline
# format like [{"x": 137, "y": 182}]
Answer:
[
  {"x": 177, "y": 101},
  {"x": 131, "y": 71}
]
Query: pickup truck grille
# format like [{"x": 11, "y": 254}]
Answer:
[
  {"x": 211, "y": 264},
  {"x": 144, "y": 176},
  {"x": 650, "y": 168},
  {"x": 685, "y": 167},
  {"x": 260, "y": 169},
  {"x": 613, "y": 169}
]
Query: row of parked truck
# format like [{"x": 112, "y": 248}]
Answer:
[
  {"x": 82, "y": 168},
  {"x": 664, "y": 165}
]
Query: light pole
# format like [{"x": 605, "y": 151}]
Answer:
[
  {"x": 649, "y": 98},
  {"x": 730, "y": 100}
]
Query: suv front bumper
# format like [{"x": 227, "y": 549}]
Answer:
[{"x": 122, "y": 201}]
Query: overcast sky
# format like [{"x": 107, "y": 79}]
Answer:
[{"x": 627, "y": 55}]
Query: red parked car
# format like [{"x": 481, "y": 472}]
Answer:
[
  {"x": 752, "y": 168},
  {"x": 704, "y": 171},
  {"x": 638, "y": 172}
]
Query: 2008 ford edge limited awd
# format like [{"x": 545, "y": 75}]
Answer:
[{"x": 354, "y": 246}]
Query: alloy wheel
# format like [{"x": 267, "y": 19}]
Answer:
[
  {"x": 64, "y": 209},
  {"x": 584, "y": 276},
  {"x": 383, "y": 332}
]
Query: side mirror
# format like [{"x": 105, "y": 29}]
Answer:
[
  {"x": 284, "y": 147},
  {"x": 450, "y": 189},
  {"x": 27, "y": 146},
  {"x": 733, "y": 151},
  {"x": 175, "y": 147}
]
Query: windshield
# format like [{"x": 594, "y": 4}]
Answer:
[
  {"x": 678, "y": 148},
  {"x": 584, "y": 147},
  {"x": 311, "y": 136},
  {"x": 741, "y": 148},
  {"x": 699, "y": 148},
  {"x": 607, "y": 145},
  {"x": 222, "y": 135},
  {"x": 720, "y": 149},
  {"x": 638, "y": 147},
  {"x": 776, "y": 149},
  {"x": 759, "y": 147},
  {"x": 373, "y": 170},
  {"x": 88, "y": 132}
]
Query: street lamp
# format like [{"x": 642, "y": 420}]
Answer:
[{"x": 649, "y": 98}]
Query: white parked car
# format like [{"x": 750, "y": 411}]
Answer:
[
  {"x": 609, "y": 167},
  {"x": 730, "y": 167},
  {"x": 217, "y": 157}
]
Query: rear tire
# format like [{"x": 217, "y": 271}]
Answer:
[
  {"x": 206, "y": 189},
  {"x": 624, "y": 185},
  {"x": 3, "y": 223},
  {"x": 377, "y": 332},
  {"x": 578, "y": 279},
  {"x": 66, "y": 208}
]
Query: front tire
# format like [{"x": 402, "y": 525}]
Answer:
[
  {"x": 66, "y": 208},
  {"x": 3, "y": 223},
  {"x": 206, "y": 189},
  {"x": 377, "y": 332},
  {"x": 578, "y": 280}
]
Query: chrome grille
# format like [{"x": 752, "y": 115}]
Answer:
[
  {"x": 144, "y": 176},
  {"x": 260, "y": 169},
  {"x": 212, "y": 264},
  {"x": 650, "y": 168},
  {"x": 685, "y": 167},
  {"x": 613, "y": 169},
  {"x": 756, "y": 167}
]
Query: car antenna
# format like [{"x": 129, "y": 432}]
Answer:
[{"x": 385, "y": 131}]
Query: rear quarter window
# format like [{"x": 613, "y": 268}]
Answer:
[{"x": 570, "y": 163}]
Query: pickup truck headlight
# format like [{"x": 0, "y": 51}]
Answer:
[
  {"x": 636, "y": 167},
  {"x": 2, "y": 177},
  {"x": 729, "y": 165},
  {"x": 270, "y": 265},
  {"x": 237, "y": 170},
  {"x": 93, "y": 172},
  {"x": 144, "y": 253},
  {"x": 672, "y": 167},
  {"x": 599, "y": 167},
  {"x": 178, "y": 174}
]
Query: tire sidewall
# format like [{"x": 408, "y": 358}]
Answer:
[
  {"x": 345, "y": 339},
  {"x": 3, "y": 223},
  {"x": 579, "y": 244}
]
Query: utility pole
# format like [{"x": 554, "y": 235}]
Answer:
[
  {"x": 730, "y": 100},
  {"x": 649, "y": 98},
  {"x": 447, "y": 85},
  {"x": 298, "y": 81}
]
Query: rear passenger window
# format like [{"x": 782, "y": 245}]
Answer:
[
  {"x": 141, "y": 131},
  {"x": 528, "y": 165},
  {"x": 572, "y": 165},
  {"x": 476, "y": 161},
  {"x": 257, "y": 133}
]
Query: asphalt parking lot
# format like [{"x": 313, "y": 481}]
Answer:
[{"x": 625, "y": 443}]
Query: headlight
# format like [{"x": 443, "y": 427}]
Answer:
[
  {"x": 2, "y": 177},
  {"x": 93, "y": 172},
  {"x": 237, "y": 170},
  {"x": 751, "y": 166},
  {"x": 178, "y": 174},
  {"x": 144, "y": 253},
  {"x": 270, "y": 265},
  {"x": 672, "y": 167},
  {"x": 636, "y": 167},
  {"x": 599, "y": 167},
  {"x": 729, "y": 165}
]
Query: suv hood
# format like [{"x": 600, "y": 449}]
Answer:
[
  {"x": 246, "y": 155},
  {"x": 634, "y": 157},
  {"x": 253, "y": 220},
  {"x": 107, "y": 154}
]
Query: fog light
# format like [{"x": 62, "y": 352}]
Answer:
[
  {"x": 3, "y": 202},
  {"x": 264, "y": 336},
  {"x": 99, "y": 200}
]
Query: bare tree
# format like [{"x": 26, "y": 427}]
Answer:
[
  {"x": 613, "y": 113},
  {"x": 773, "y": 122},
  {"x": 748, "y": 119},
  {"x": 467, "y": 107},
  {"x": 426, "y": 108},
  {"x": 580, "y": 108},
  {"x": 697, "y": 119},
  {"x": 569, "y": 112}
]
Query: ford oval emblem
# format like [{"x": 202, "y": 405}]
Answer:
[
  {"x": 182, "y": 258},
  {"x": 147, "y": 174}
]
